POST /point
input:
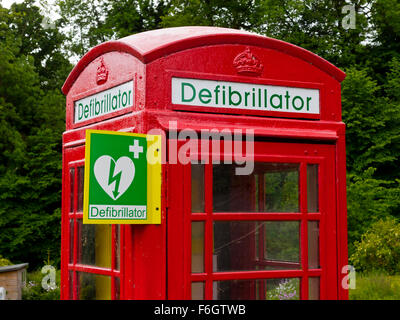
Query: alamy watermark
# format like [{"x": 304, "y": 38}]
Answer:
[
  {"x": 349, "y": 20},
  {"x": 217, "y": 145},
  {"x": 48, "y": 24},
  {"x": 349, "y": 279},
  {"x": 49, "y": 280}
]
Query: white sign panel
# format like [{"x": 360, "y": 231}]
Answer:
[
  {"x": 104, "y": 102},
  {"x": 235, "y": 95}
]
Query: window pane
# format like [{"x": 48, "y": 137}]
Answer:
[
  {"x": 236, "y": 243},
  {"x": 71, "y": 240},
  {"x": 313, "y": 287},
  {"x": 72, "y": 183},
  {"x": 197, "y": 290},
  {"x": 272, "y": 187},
  {"x": 282, "y": 244},
  {"x": 93, "y": 286},
  {"x": 313, "y": 245},
  {"x": 71, "y": 285},
  {"x": 259, "y": 289},
  {"x": 232, "y": 193},
  {"x": 81, "y": 178},
  {"x": 197, "y": 246},
  {"x": 197, "y": 187},
  {"x": 312, "y": 188},
  {"x": 95, "y": 244},
  {"x": 117, "y": 241},
  {"x": 117, "y": 287},
  {"x": 282, "y": 187}
]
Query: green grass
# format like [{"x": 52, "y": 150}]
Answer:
[{"x": 376, "y": 286}]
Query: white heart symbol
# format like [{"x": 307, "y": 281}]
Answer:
[{"x": 117, "y": 182}]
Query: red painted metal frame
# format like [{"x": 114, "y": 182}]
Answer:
[
  {"x": 148, "y": 271},
  {"x": 341, "y": 208},
  {"x": 180, "y": 218}
]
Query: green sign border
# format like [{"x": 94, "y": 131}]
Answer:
[{"x": 153, "y": 158}]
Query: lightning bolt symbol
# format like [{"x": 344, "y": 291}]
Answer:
[{"x": 116, "y": 178}]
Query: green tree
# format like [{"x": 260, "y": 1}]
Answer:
[
  {"x": 88, "y": 23},
  {"x": 31, "y": 125},
  {"x": 371, "y": 113},
  {"x": 372, "y": 122},
  {"x": 316, "y": 25},
  {"x": 385, "y": 44},
  {"x": 40, "y": 39},
  {"x": 132, "y": 16},
  {"x": 241, "y": 14},
  {"x": 368, "y": 200},
  {"x": 82, "y": 23},
  {"x": 362, "y": 115}
]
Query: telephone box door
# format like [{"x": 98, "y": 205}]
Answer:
[{"x": 270, "y": 234}]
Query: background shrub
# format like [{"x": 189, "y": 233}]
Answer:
[
  {"x": 379, "y": 248},
  {"x": 4, "y": 262},
  {"x": 34, "y": 290}
]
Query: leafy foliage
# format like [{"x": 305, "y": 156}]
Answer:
[
  {"x": 240, "y": 14},
  {"x": 132, "y": 16},
  {"x": 379, "y": 248},
  {"x": 31, "y": 125},
  {"x": 35, "y": 291},
  {"x": 4, "y": 262},
  {"x": 369, "y": 200},
  {"x": 286, "y": 289},
  {"x": 88, "y": 23}
]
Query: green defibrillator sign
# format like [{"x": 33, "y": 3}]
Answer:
[{"x": 122, "y": 178}]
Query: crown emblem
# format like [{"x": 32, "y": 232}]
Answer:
[
  {"x": 102, "y": 72},
  {"x": 247, "y": 63}
]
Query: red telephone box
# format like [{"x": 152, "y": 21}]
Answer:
[{"x": 277, "y": 232}]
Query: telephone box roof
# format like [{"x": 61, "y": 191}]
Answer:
[{"x": 151, "y": 45}]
